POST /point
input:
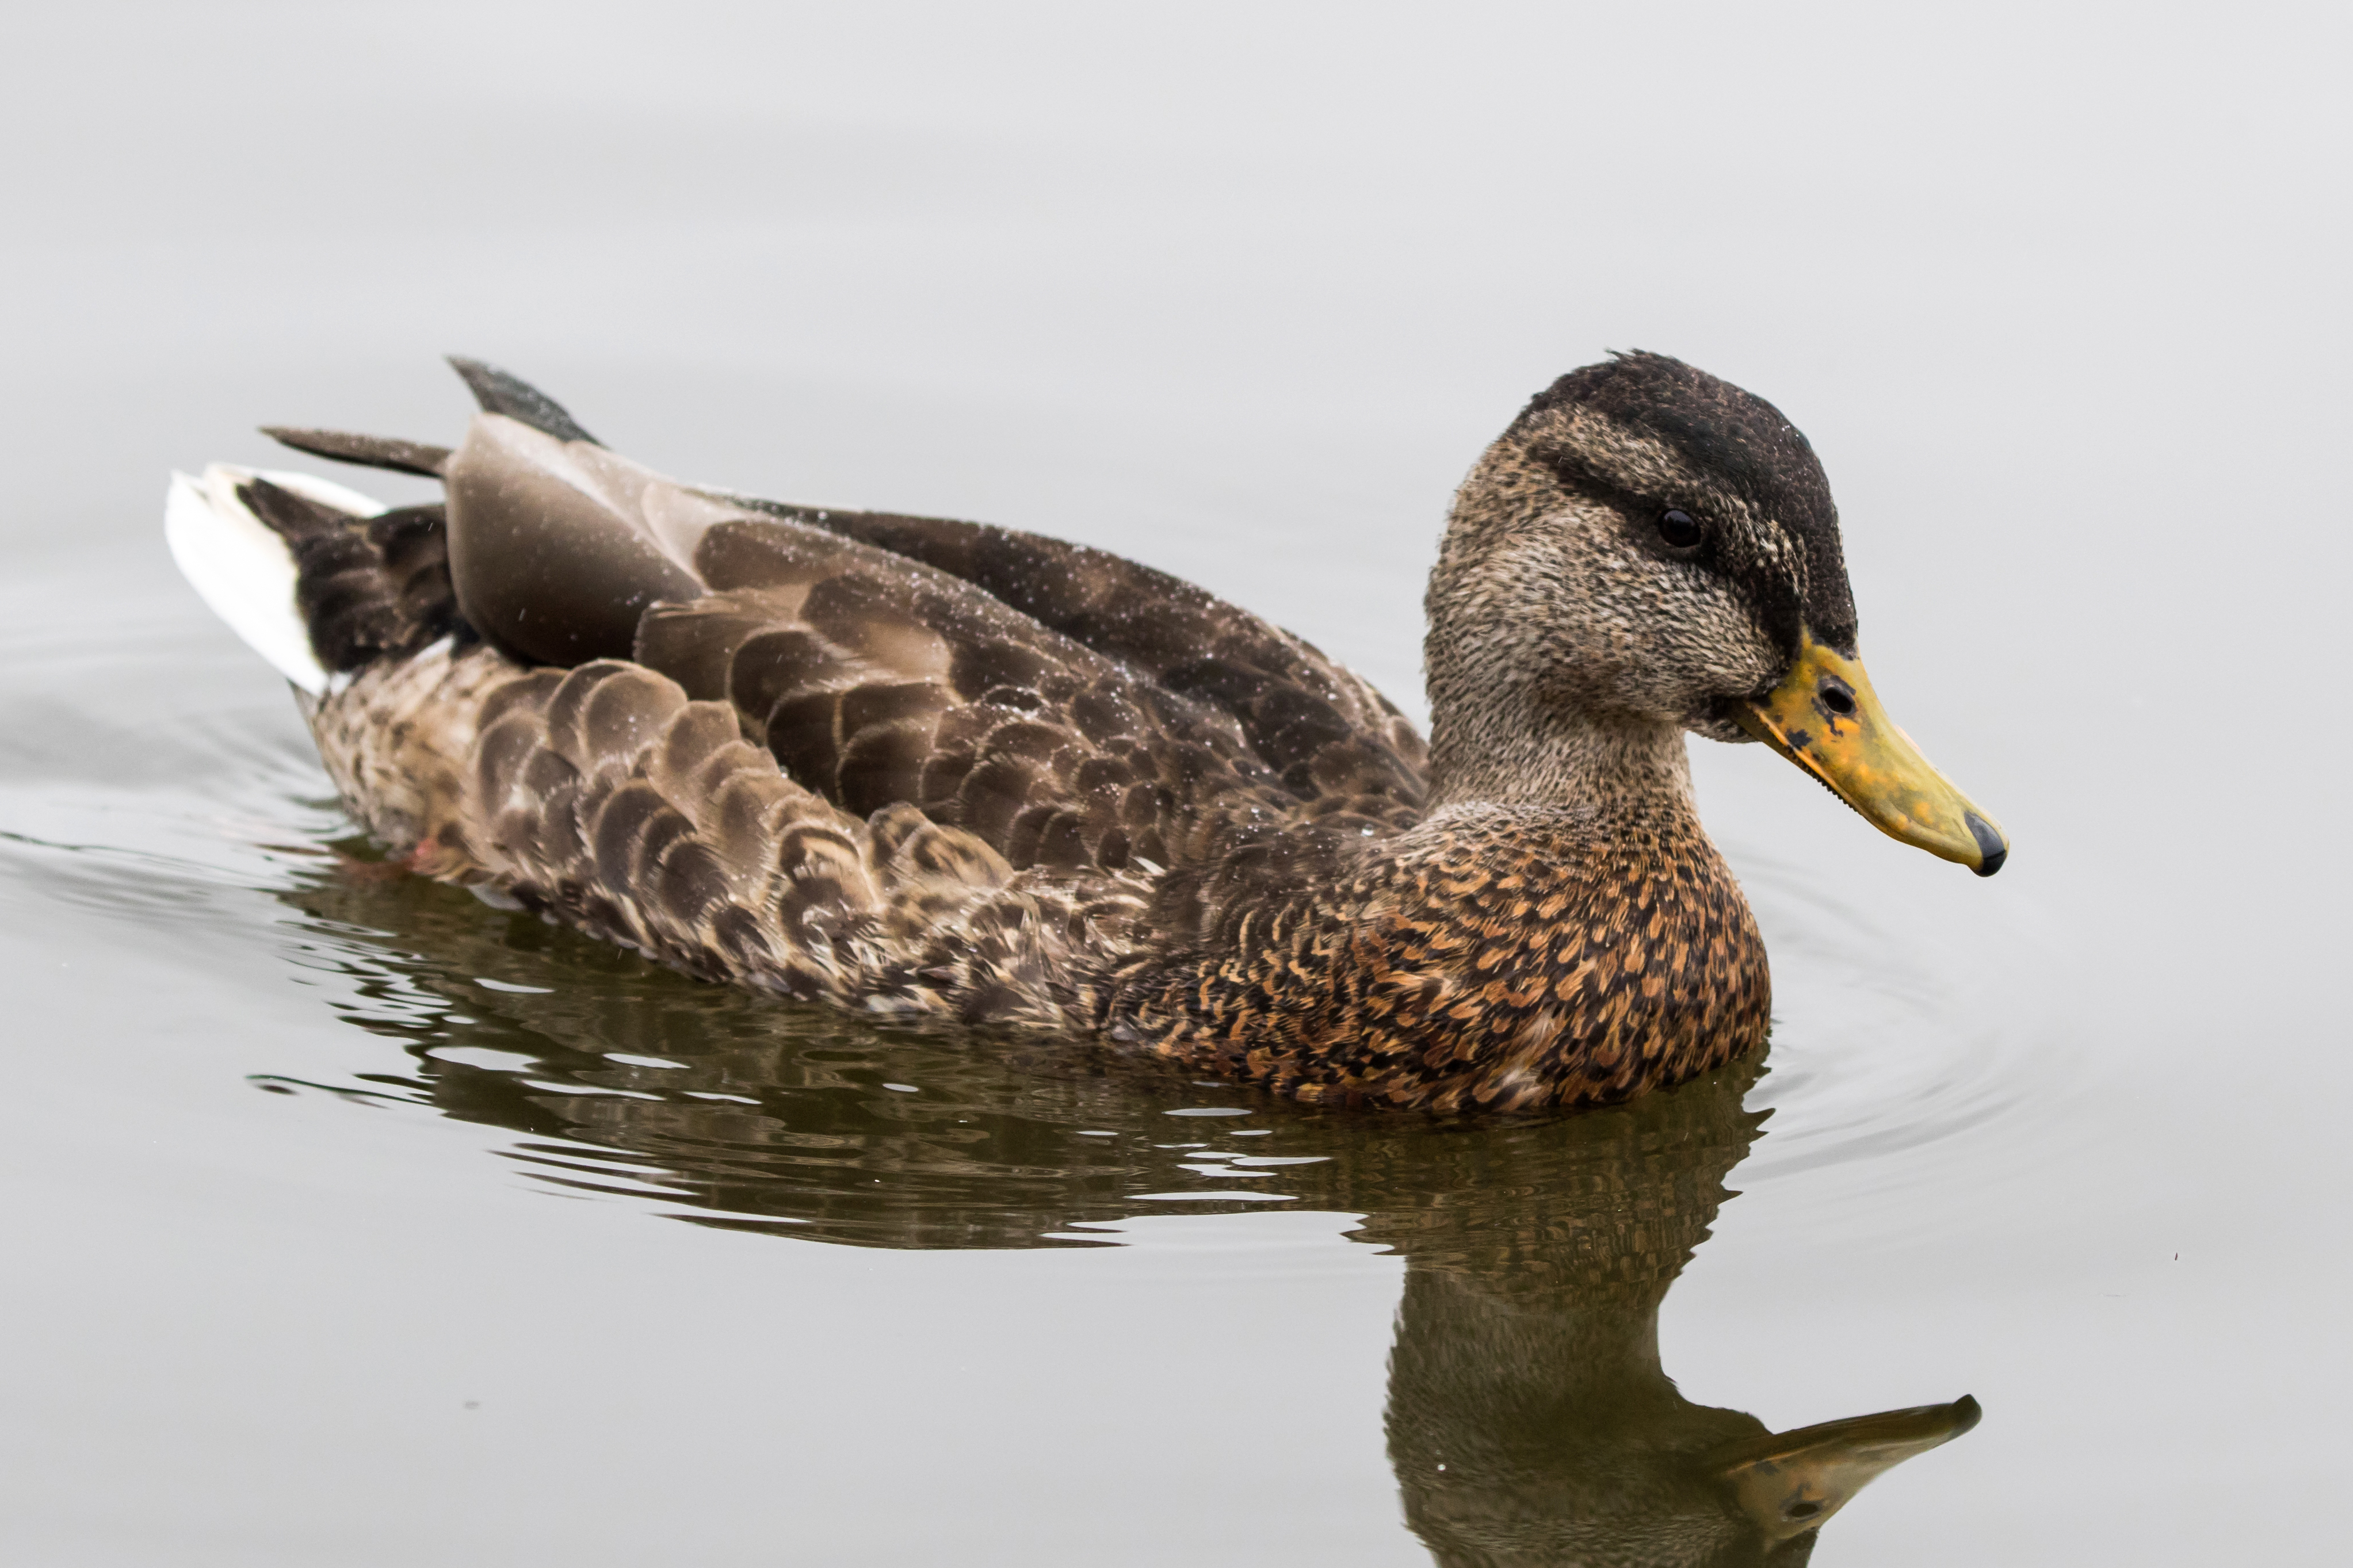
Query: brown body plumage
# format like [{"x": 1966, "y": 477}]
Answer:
[{"x": 915, "y": 767}]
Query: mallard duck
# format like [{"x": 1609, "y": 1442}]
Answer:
[{"x": 913, "y": 766}]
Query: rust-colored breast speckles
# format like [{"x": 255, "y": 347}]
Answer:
[{"x": 1492, "y": 959}]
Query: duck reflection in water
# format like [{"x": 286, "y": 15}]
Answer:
[{"x": 1529, "y": 1419}]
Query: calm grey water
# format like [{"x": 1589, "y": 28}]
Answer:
[{"x": 348, "y": 1221}]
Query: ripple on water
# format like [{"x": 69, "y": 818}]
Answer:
[{"x": 1877, "y": 1053}]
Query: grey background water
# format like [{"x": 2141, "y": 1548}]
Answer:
[{"x": 2057, "y": 291}]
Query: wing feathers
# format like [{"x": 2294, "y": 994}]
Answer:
[
  {"x": 900, "y": 761},
  {"x": 500, "y": 392}
]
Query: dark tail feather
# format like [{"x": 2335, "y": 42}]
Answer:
[
  {"x": 370, "y": 451},
  {"x": 500, "y": 393},
  {"x": 366, "y": 587},
  {"x": 494, "y": 389}
]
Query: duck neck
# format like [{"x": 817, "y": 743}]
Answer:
[{"x": 1528, "y": 754}]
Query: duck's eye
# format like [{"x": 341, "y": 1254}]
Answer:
[{"x": 1678, "y": 529}]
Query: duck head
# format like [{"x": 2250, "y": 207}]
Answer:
[
  {"x": 1647, "y": 551},
  {"x": 1785, "y": 1485}
]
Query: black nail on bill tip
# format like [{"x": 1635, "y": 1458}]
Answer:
[{"x": 1990, "y": 843}]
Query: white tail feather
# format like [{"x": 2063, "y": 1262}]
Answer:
[{"x": 241, "y": 569}]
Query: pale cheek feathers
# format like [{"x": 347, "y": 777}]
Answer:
[{"x": 1613, "y": 626}]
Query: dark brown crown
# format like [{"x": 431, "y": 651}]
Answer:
[{"x": 1739, "y": 439}]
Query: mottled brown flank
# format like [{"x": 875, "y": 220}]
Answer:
[{"x": 911, "y": 766}]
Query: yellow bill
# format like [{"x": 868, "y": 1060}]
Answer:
[
  {"x": 1826, "y": 719},
  {"x": 1789, "y": 1482}
]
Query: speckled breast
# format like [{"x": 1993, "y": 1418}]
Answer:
[{"x": 1491, "y": 959}]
